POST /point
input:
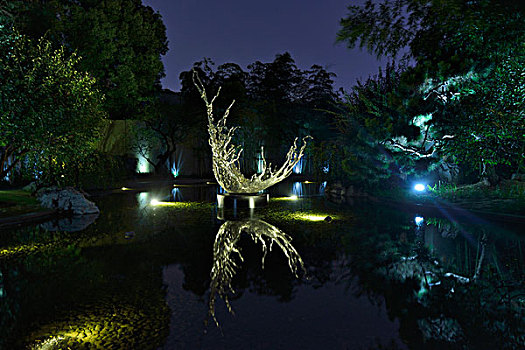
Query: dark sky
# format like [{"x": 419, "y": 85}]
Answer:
[{"x": 245, "y": 31}]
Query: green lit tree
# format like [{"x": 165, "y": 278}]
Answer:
[
  {"x": 120, "y": 42},
  {"x": 462, "y": 88},
  {"x": 50, "y": 110}
]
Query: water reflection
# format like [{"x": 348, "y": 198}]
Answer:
[
  {"x": 227, "y": 255},
  {"x": 374, "y": 273},
  {"x": 70, "y": 224}
]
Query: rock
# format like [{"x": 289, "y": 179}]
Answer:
[
  {"x": 31, "y": 188},
  {"x": 66, "y": 200}
]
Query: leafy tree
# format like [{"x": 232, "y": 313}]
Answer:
[
  {"x": 120, "y": 42},
  {"x": 485, "y": 117},
  {"x": 369, "y": 121},
  {"x": 49, "y": 109},
  {"x": 459, "y": 83},
  {"x": 161, "y": 133}
]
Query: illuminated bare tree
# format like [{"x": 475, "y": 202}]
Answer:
[
  {"x": 226, "y": 155},
  {"x": 224, "y": 252}
]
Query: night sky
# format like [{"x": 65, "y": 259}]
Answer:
[{"x": 245, "y": 31}]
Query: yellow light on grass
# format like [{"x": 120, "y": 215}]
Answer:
[
  {"x": 157, "y": 203},
  {"x": 314, "y": 217},
  {"x": 291, "y": 198}
]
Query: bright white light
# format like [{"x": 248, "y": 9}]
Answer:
[
  {"x": 293, "y": 197},
  {"x": 154, "y": 202},
  {"x": 419, "y": 220},
  {"x": 314, "y": 217},
  {"x": 419, "y": 187}
]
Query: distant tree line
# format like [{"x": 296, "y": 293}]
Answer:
[{"x": 275, "y": 102}]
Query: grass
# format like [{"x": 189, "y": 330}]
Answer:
[
  {"x": 506, "y": 189},
  {"x": 506, "y": 197},
  {"x": 17, "y": 202}
]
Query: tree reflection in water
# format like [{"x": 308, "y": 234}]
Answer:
[{"x": 226, "y": 255}]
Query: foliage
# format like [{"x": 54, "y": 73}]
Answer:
[
  {"x": 463, "y": 91},
  {"x": 369, "y": 121},
  {"x": 120, "y": 41},
  {"x": 487, "y": 117},
  {"x": 274, "y": 103},
  {"x": 49, "y": 109},
  {"x": 160, "y": 133}
]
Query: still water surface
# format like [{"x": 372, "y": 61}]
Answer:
[{"x": 174, "y": 276}]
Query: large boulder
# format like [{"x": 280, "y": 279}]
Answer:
[{"x": 67, "y": 200}]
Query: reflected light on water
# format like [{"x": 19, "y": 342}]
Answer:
[{"x": 297, "y": 189}]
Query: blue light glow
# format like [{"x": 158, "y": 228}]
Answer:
[
  {"x": 419, "y": 220},
  {"x": 419, "y": 187},
  {"x": 177, "y": 165},
  {"x": 297, "y": 189},
  {"x": 326, "y": 168},
  {"x": 298, "y": 168}
]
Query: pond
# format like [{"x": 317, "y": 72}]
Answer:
[{"x": 303, "y": 273}]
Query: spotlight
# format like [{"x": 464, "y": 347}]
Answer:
[
  {"x": 419, "y": 187},
  {"x": 154, "y": 202},
  {"x": 419, "y": 220}
]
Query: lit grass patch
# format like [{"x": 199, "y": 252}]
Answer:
[
  {"x": 18, "y": 196},
  {"x": 187, "y": 205},
  {"x": 18, "y": 202}
]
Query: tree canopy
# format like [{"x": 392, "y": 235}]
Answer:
[
  {"x": 120, "y": 42},
  {"x": 49, "y": 109},
  {"x": 274, "y": 102},
  {"x": 461, "y": 83}
]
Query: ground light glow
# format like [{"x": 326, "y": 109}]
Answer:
[
  {"x": 419, "y": 187},
  {"x": 290, "y": 198},
  {"x": 313, "y": 217},
  {"x": 157, "y": 203}
]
